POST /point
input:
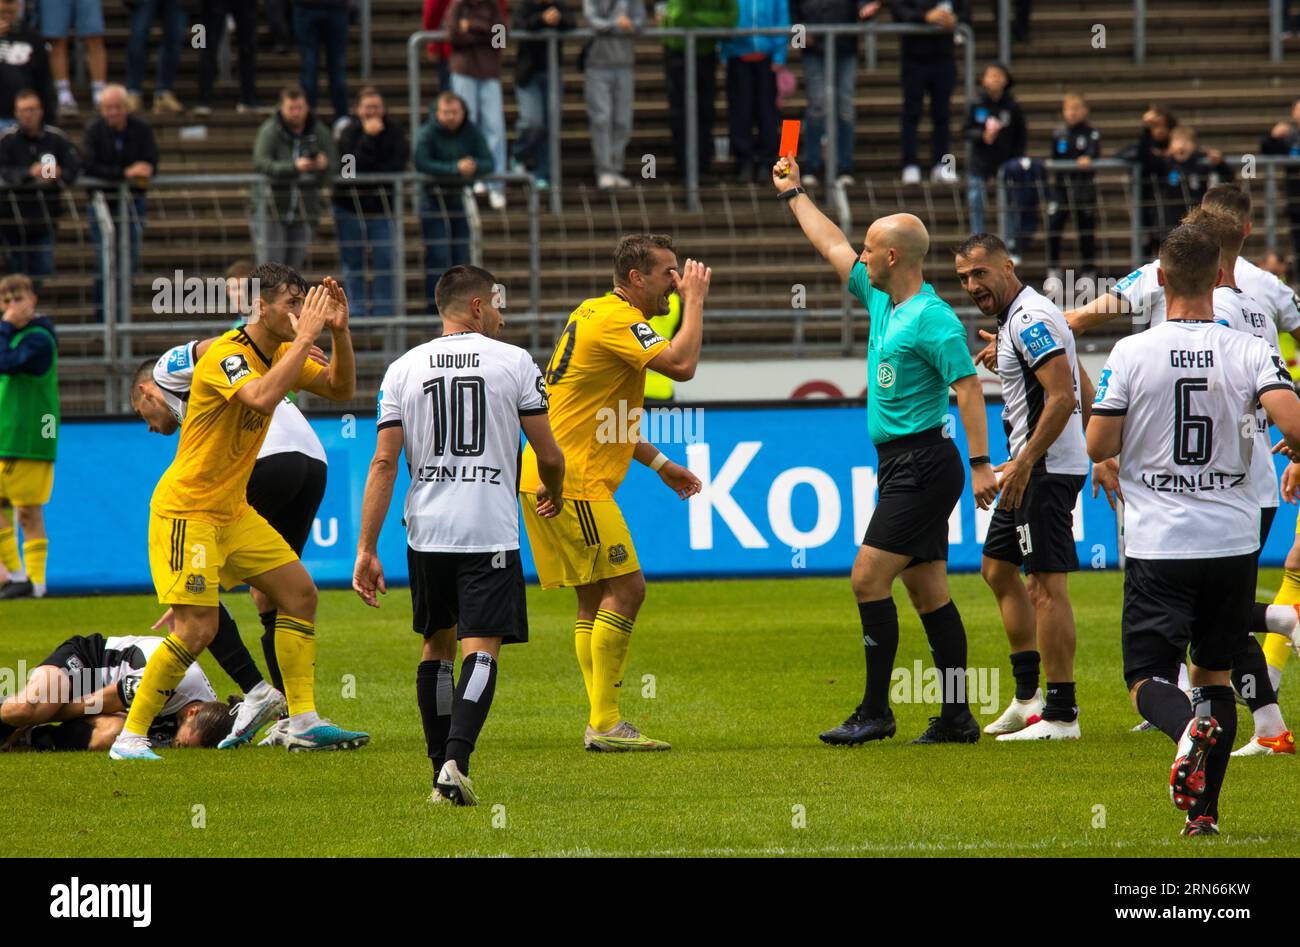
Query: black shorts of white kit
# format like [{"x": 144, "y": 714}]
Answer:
[
  {"x": 287, "y": 489},
  {"x": 81, "y": 657},
  {"x": 1176, "y": 606},
  {"x": 1038, "y": 535},
  {"x": 921, "y": 479},
  {"x": 1266, "y": 516},
  {"x": 481, "y": 593}
]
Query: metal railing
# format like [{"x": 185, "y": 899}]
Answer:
[{"x": 691, "y": 37}]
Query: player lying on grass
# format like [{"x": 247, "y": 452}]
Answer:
[
  {"x": 285, "y": 487},
  {"x": 203, "y": 533},
  {"x": 1170, "y": 404},
  {"x": 457, "y": 405},
  {"x": 78, "y": 697},
  {"x": 918, "y": 353}
]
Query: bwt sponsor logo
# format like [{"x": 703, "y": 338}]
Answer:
[
  {"x": 718, "y": 482},
  {"x": 134, "y": 901}
]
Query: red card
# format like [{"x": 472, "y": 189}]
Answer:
[{"x": 789, "y": 139}]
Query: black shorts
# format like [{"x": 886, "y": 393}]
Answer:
[
  {"x": 1173, "y": 605},
  {"x": 1266, "y": 516},
  {"x": 1038, "y": 535},
  {"x": 81, "y": 657},
  {"x": 481, "y": 593},
  {"x": 287, "y": 489},
  {"x": 921, "y": 479}
]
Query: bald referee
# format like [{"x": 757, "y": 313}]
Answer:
[{"x": 917, "y": 351}]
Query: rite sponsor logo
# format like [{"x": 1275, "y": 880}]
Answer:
[{"x": 76, "y": 900}]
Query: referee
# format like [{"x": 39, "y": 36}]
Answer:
[{"x": 917, "y": 351}]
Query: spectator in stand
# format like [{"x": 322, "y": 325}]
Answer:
[
  {"x": 58, "y": 18},
  {"x": 929, "y": 66},
  {"x": 371, "y": 142},
  {"x": 435, "y": 11},
  {"x": 36, "y": 161},
  {"x": 752, "y": 65},
  {"x": 1181, "y": 176},
  {"x": 319, "y": 23},
  {"x": 118, "y": 146},
  {"x": 279, "y": 33},
  {"x": 995, "y": 127},
  {"x": 143, "y": 13},
  {"x": 24, "y": 64},
  {"x": 213, "y": 14},
  {"x": 692, "y": 15},
  {"x": 532, "y": 151},
  {"x": 836, "y": 12},
  {"x": 296, "y": 154},
  {"x": 452, "y": 152},
  {"x": 477, "y": 31},
  {"x": 608, "y": 59},
  {"x": 1074, "y": 192},
  {"x": 1284, "y": 140},
  {"x": 1158, "y": 124}
]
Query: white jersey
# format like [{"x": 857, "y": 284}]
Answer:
[
  {"x": 1145, "y": 296},
  {"x": 289, "y": 431},
  {"x": 124, "y": 661},
  {"x": 1031, "y": 332},
  {"x": 1183, "y": 388},
  {"x": 1237, "y": 310},
  {"x": 458, "y": 399}
]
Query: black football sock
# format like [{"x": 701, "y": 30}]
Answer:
[
  {"x": 1259, "y": 617},
  {"x": 1250, "y": 675},
  {"x": 231, "y": 654},
  {"x": 6, "y": 731},
  {"x": 1165, "y": 706},
  {"x": 1220, "y": 703},
  {"x": 947, "y": 637},
  {"x": 1059, "y": 703},
  {"x": 433, "y": 692},
  {"x": 268, "y": 649},
  {"x": 1024, "y": 668},
  {"x": 880, "y": 639},
  {"x": 470, "y": 709}
]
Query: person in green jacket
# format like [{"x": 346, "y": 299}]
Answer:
[
  {"x": 453, "y": 153},
  {"x": 296, "y": 153},
  {"x": 29, "y": 436},
  {"x": 694, "y": 14}
]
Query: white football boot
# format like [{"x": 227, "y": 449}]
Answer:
[
  {"x": 1046, "y": 730},
  {"x": 1016, "y": 716}
]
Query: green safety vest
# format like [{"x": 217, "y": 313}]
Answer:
[
  {"x": 660, "y": 387},
  {"x": 29, "y": 405}
]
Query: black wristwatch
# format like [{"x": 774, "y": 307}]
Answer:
[
  {"x": 981, "y": 459},
  {"x": 790, "y": 193}
]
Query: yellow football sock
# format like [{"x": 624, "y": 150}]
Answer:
[
  {"x": 1277, "y": 649},
  {"x": 9, "y": 550},
  {"x": 610, "y": 636},
  {"x": 582, "y": 644},
  {"x": 34, "y": 554},
  {"x": 295, "y": 651},
  {"x": 164, "y": 670},
  {"x": 1289, "y": 593}
]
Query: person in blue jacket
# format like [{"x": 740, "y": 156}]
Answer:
[{"x": 752, "y": 63}]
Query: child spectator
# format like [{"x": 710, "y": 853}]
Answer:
[
  {"x": 1074, "y": 192},
  {"x": 995, "y": 125}
]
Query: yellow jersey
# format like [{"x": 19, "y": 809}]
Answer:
[
  {"x": 595, "y": 382},
  {"x": 220, "y": 437}
]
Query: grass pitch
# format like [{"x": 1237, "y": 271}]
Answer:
[{"x": 743, "y": 674}]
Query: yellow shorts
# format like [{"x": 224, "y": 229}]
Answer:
[
  {"x": 587, "y": 542},
  {"x": 190, "y": 560},
  {"x": 26, "y": 482}
]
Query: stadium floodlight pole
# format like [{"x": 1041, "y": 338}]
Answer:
[
  {"x": 1139, "y": 32},
  {"x": 1275, "y": 28},
  {"x": 692, "y": 126},
  {"x": 553, "y": 91},
  {"x": 1004, "y": 32}
]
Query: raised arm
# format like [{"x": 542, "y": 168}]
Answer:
[
  {"x": 340, "y": 381},
  {"x": 681, "y": 357},
  {"x": 822, "y": 232},
  {"x": 264, "y": 393}
]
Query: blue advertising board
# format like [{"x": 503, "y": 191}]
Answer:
[{"x": 788, "y": 490}]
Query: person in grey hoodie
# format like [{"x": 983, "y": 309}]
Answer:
[
  {"x": 607, "y": 60},
  {"x": 296, "y": 154}
]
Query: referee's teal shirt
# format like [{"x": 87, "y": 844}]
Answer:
[{"x": 916, "y": 351}]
